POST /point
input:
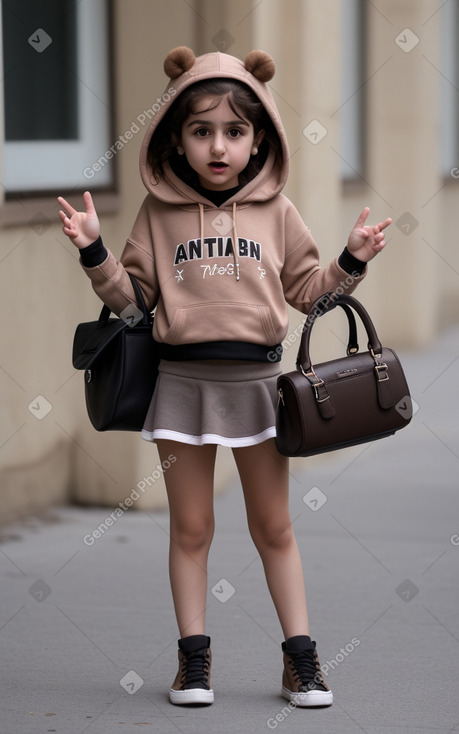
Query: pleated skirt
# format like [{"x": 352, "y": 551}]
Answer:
[{"x": 230, "y": 403}]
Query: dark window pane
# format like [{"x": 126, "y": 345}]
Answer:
[{"x": 40, "y": 81}]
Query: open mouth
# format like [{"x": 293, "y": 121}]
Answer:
[{"x": 217, "y": 166}]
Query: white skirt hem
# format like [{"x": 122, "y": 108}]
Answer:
[{"x": 206, "y": 438}]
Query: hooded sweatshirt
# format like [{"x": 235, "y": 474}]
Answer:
[{"x": 219, "y": 277}]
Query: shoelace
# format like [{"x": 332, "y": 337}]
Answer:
[
  {"x": 305, "y": 669},
  {"x": 197, "y": 667}
]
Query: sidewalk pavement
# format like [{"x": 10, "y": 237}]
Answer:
[{"x": 88, "y": 635}]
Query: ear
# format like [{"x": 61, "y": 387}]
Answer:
[{"x": 257, "y": 140}]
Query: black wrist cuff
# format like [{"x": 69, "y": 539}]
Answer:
[
  {"x": 94, "y": 254},
  {"x": 350, "y": 264}
]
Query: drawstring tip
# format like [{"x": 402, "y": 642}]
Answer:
[{"x": 237, "y": 271}]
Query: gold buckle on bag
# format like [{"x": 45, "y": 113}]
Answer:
[
  {"x": 382, "y": 371},
  {"x": 381, "y": 368},
  {"x": 317, "y": 385}
]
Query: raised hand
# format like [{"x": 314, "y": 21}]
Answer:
[
  {"x": 365, "y": 241},
  {"x": 82, "y": 228}
]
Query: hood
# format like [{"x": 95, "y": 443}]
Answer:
[{"x": 185, "y": 69}]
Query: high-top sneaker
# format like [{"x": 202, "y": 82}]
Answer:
[
  {"x": 302, "y": 681},
  {"x": 192, "y": 682}
]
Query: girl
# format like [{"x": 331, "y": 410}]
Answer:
[{"x": 220, "y": 252}]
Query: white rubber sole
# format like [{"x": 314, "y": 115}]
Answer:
[
  {"x": 194, "y": 695},
  {"x": 309, "y": 698}
]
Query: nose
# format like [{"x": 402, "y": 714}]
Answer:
[{"x": 218, "y": 144}]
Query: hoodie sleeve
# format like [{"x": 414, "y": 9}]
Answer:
[
  {"x": 110, "y": 278},
  {"x": 303, "y": 279}
]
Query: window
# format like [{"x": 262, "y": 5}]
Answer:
[
  {"x": 56, "y": 93},
  {"x": 352, "y": 90},
  {"x": 449, "y": 90}
]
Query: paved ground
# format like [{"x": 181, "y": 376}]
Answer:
[{"x": 88, "y": 636}]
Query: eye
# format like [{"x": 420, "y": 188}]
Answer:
[
  {"x": 234, "y": 132},
  {"x": 201, "y": 132}
]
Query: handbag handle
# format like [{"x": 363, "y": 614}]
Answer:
[
  {"x": 106, "y": 311},
  {"x": 319, "y": 308},
  {"x": 352, "y": 343}
]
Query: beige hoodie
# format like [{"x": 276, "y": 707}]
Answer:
[{"x": 219, "y": 273}]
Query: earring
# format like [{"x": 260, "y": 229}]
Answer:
[
  {"x": 254, "y": 150},
  {"x": 180, "y": 150}
]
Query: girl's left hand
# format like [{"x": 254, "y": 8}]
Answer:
[{"x": 365, "y": 242}]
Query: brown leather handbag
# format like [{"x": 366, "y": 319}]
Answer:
[{"x": 358, "y": 398}]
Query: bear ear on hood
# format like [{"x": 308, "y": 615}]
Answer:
[
  {"x": 261, "y": 65},
  {"x": 178, "y": 61}
]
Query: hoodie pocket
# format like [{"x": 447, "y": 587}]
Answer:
[{"x": 205, "y": 322}]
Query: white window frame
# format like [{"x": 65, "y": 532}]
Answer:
[
  {"x": 449, "y": 95},
  {"x": 51, "y": 165},
  {"x": 351, "y": 110}
]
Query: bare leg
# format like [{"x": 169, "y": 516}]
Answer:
[
  {"x": 264, "y": 476},
  {"x": 189, "y": 484}
]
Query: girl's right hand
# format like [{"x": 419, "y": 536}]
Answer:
[{"x": 82, "y": 228}]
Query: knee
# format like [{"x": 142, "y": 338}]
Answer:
[
  {"x": 272, "y": 536},
  {"x": 193, "y": 536}
]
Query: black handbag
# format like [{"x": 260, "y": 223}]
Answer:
[
  {"x": 120, "y": 359},
  {"x": 347, "y": 401}
]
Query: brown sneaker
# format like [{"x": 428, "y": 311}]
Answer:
[
  {"x": 302, "y": 681},
  {"x": 192, "y": 682}
]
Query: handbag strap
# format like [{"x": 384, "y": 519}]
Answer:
[
  {"x": 106, "y": 311},
  {"x": 320, "y": 307},
  {"x": 352, "y": 343}
]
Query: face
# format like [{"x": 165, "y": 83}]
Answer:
[{"x": 218, "y": 144}]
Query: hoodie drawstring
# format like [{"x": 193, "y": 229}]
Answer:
[
  {"x": 235, "y": 239},
  {"x": 201, "y": 223}
]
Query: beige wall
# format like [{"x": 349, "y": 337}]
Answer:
[{"x": 411, "y": 290}]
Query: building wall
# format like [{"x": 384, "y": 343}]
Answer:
[{"x": 48, "y": 451}]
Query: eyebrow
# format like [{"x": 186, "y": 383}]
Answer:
[{"x": 232, "y": 123}]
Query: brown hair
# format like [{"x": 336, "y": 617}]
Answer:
[{"x": 243, "y": 102}]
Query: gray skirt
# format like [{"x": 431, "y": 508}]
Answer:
[{"x": 230, "y": 403}]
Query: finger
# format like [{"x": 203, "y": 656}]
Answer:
[
  {"x": 89, "y": 204},
  {"x": 66, "y": 205},
  {"x": 65, "y": 219},
  {"x": 362, "y": 218},
  {"x": 383, "y": 225}
]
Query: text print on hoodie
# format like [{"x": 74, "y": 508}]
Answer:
[{"x": 219, "y": 276}]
